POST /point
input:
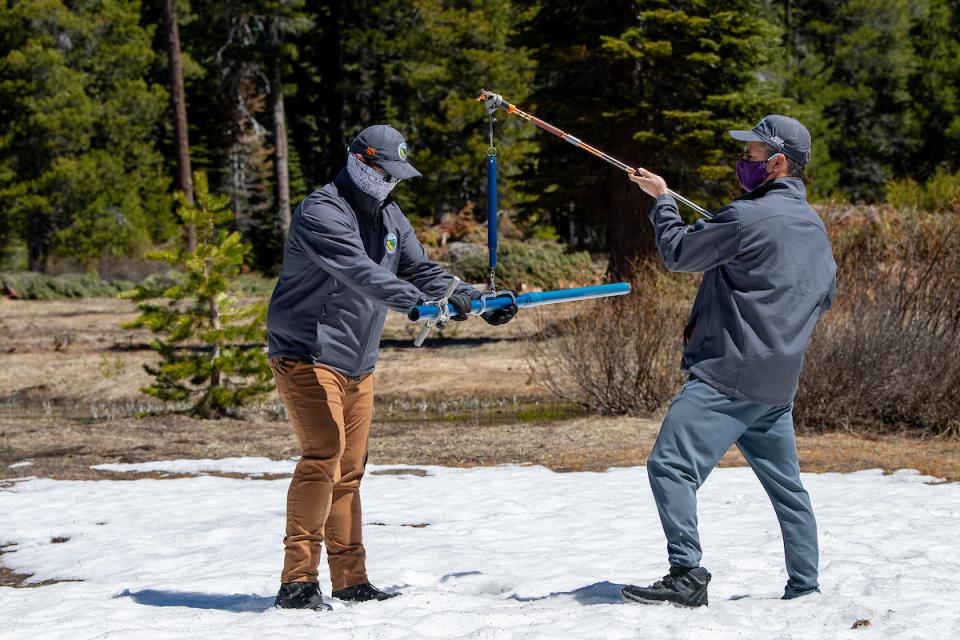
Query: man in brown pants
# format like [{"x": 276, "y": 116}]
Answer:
[
  {"x": 331, "y": 417},
  {"x": 350, "y": 255}
]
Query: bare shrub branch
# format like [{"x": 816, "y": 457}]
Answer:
[
  {"x": 617, "y": 356},
  {"x": 886, "y": 357}
]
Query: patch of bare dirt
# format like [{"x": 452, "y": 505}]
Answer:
[
  {"x": 74, "y": 353},
  {"x": 10, "y": 578},
  {"x": 67, "y": 449}
]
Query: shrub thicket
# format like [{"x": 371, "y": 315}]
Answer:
[
  {"x": 940, "y": 193},
  {"x": 526, "y": 264},
  {"x": 616, "y": 356},
  {"x": 29, "y": 285},
  {"x": 885, "y": 357}
]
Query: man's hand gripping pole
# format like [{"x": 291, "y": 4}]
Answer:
[{"x": 443, "y": 316}]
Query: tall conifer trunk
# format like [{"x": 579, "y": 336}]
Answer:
[
  {"x": 333, "y": 70},
  {"x": 178, "y": 101},
  {"x": 280, "y": 154}
]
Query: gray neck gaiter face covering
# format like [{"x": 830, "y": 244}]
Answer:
[{"x": 369, "y": 180}]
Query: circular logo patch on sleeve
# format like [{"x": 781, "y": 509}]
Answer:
[{"x": 390, "y": 243}]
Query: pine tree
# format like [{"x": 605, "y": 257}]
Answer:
[
  {"x": 854, "y": 66},
  {"x": 316, "y": 109},
  {"x": 654, "y": 83},
  {"x": 443, "y": 53},
  {"x": 80, "y": 174},
  {"x": 419, "y": 66},
  {"x": 239, "y": 109},
  {"x": 211, "y": 349},
  {"x": 934, "y": 89},
  {"x": 286, "y": 18}
]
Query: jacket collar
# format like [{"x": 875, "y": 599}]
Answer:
[
  {"x": 791, "y": 187},
  {"x": 359, "y": 201}
]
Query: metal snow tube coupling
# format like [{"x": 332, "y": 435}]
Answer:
[
  {"x": 527, "y": 300},
  {"x": 492, "y": 207}
]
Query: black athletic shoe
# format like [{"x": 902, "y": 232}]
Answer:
[
  {"x": 362, "y": 593},
  {"x": 687, "y": 587},
  {"x": 790, "y": 593},
  {"x": 300, "y": 595}
]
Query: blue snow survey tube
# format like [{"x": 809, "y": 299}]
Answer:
[{"x": 526, "y": 300}]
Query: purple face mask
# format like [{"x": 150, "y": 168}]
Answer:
[{"x": 751, "y": 173}]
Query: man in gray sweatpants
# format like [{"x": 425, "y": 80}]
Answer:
[{"x": 769, "y": 275}]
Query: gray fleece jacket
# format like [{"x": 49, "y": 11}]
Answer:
[
  {"x": 347, "y": 259},
  {"x": 769, "y": 275}
]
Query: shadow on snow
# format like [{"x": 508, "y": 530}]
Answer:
[
  {"x": 605, "y": 592},
  {"x": 236, "y": 602}
]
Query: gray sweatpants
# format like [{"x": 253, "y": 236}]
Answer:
[{"x": 700, "y": 426}]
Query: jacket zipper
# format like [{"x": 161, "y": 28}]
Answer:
[
  {"x": 366, "y": 348},
  {"x": 322, "y": 323},
  {"x": 376, "y": 235}
]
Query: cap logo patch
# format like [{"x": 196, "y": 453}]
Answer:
[
  {"x": 402, "y": 151},
  {"x": 390, "y": 243},
  {"x": 371, "y": 151}
]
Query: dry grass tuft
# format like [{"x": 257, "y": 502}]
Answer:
[{"x": 617, "y": 356}]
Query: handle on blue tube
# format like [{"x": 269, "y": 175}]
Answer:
[
  {"x": 533, "y": 299},
  {"x": 492, "y": 208}
]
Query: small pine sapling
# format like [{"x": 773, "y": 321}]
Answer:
[{"x": 211, "y": 344}]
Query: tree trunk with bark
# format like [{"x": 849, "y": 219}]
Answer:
[
  {"x": 280, "y": 154},
  {"x": 333, "y": 70},
  {"x": 630, "y": 236},
  {"x": 178, "y": 101}
]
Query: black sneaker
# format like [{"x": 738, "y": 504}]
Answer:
[
  {"x": 790, "y": 593},
  {"x": 362, "y": 593},
  {"x": 686, "y": 587},
  {"x": 300, "y": 595}
]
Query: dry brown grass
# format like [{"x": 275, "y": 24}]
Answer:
[
  {"x": 67, "y": 449},
  {"x": 75, "y": 351},
  {"x": 478, "y": 361}
]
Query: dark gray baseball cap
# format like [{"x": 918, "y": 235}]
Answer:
[
  {"x": 783, "y": 133},
  {"x": 386, "y": 146}
]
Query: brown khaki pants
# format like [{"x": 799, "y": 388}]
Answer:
[{"x": 331, "y": 417}]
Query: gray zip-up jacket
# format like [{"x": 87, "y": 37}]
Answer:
[
  {"x": 769, "y": 275},
  {"x": 346, "y": 261}
]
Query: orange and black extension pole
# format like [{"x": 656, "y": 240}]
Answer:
[{"x": 493, "y": 101}]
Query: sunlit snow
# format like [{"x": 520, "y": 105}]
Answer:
[{"x": 507, "y": 552}]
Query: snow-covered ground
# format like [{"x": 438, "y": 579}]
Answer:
[{"x": 508, "y": 552}]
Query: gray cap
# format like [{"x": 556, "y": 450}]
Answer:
[
  {"x": 781, "y": 132},
  {"x": 386, "y": 145}
]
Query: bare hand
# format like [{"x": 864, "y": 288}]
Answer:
[{"x": 651, "y": 183}]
